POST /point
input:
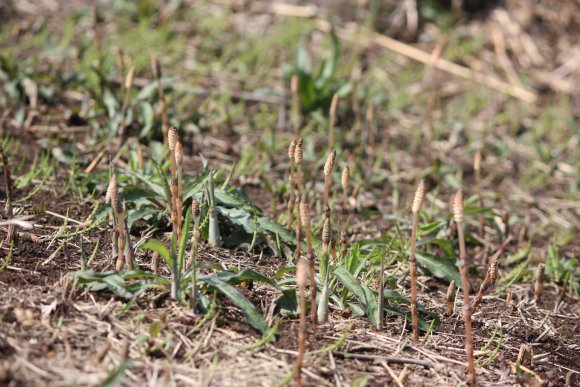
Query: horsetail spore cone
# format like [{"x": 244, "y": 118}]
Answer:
[
  {"x": 115, "y": 233},
  {"x": 451, "y": 298},
  {"x": 458, "y": 216},
  {"x": 491, "y": 276},
  {"x": 328, "y": 166},
  {"x": 298, "y": 156},
  {"x": 415, "y": 208}
]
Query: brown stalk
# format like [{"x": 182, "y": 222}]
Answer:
[
  {"x": 539, "y": 282},
  {"x": 112, "y": 219},
  {"x": 477, "y": 170},
  {"x": 301, "y": 278},
  {"x": 291, "y": 150},
  {"x": 196, "y": 212},
  {"x": 451, "y": 298},
  {"x": 296, "y": 117},
  {"x": 345, "y": 182},
  {"x": 332, "y": 120},
  {"x": 8, "y": 210},
  {"x": 156, "y": 67},
  {"x": 416, "y": 208},
  {"x": 491, "y": 276},
  {"x": 126, "y": 100},
  {"x": 458, "y": 215},
  {"x": 120, "y": 59},
  {"x": 370, "y": 118},
  {"x": 305, "y": 218},
  {"x": 98, "y": 38},
  {"x": 356, "y": 76},
  {"x": 525, "y": 355}
]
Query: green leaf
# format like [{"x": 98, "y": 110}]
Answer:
[
  {"x": 254, "y": 317},
  {"x": 117, "y": 375},
  {"x": 161, "y": 249},
  {"x": 303, "y": 60},
  {"x": 438, "y": 266},
  {"x": 364, "y": 295},
  {"x": 232, "y": 277},
  {"x": 276, "y": 228},
  {"x": 184, "y": 240},
  {"x": 240, "y": 217}
]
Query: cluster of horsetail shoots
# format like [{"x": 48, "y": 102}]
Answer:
[
  {"x": 156, "y": 68},
  {"x": 126, "y": 100},
  {"x": 416, "y": 208},
  {"x": 291, "y": 150},
  {"x": 458, "y": 216}
]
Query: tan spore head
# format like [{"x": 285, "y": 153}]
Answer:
[
  {"x": 305, "y": 214},
  {"x": 458, "y": 207},
  {"x": 477, "y": 160},
  {"x": 329, "y": 164},
  {"x": 172, "y": 138},
  {"x": 345, "y": 178},
  {"x": 111, "y": 188},
  {"x": 298, "y": 152},
  {"x": 326, "y": 231},
  {"x": 419, "y": 197},
  {"x": 195, "y": 208},
  {"x": 291, "y": 149},
  {"x": 178, "y": 154}
]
